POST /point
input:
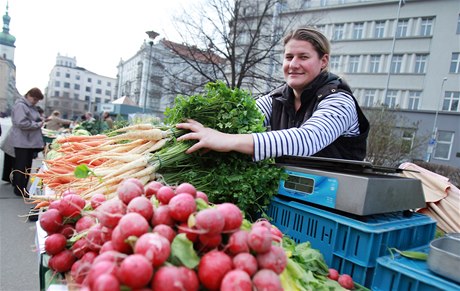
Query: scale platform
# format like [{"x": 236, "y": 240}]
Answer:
[{"x": 353, "y": 187}]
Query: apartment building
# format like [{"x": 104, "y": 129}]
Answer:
[
  {"x": 404, "y": 55},
  {"x": 73, "y": 90}
]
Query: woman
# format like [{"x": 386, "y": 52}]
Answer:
[
  {"x": 313, "y": 114},
  {"x": 107, "y": 120},
  {"x": 26, "y": 137},
  {"x": 55, "y": 122}
]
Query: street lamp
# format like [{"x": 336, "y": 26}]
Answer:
[
  {"x": 152, "y": 35},
  {"x": 434, "y": 132}
]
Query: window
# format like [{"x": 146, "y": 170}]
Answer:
[
  {"x": 408, "y": 135},
  {"x": 66, "y": 85},
  {"x": 109, "y": 84},
  {"x": 98, "y": 100},
  {"x": 451, "y": 101},
  {"x": 77, "y": 77},
  {"x": 76, "y": 86},
  {"x": 374, "y": 64},
  {"x": 58, "y": 74},
  {"x": 88, "y": 89},
  {"x": 338, "y": 31},
  {"x": 414, "y": 100},
  {"x": 108, "y": 93},
  {"x": 426, "y": 26},
  {"x": 106, "y": 101},
  {"x": 56, "y": 94},
  {"x": 455, "y": 63},
  {"x": 98, "y": 91},
  {"x": 401, "y": 29},
  {"x": 353, "y": 64},
  {"x": 390, "y": 99},
  {"x": 396, "y": 62},
  {"x": 99, "y": 82},
  {"x": 57, "y": 84},
  {"x": 358, "y": 29},
  {"x": 75, "y": 96},
  {"x": 379, "y": 29},
  {"x": 334, "y": 63},
  {"x": 86, "y": 98},
  {"x": 65, "y": 94},
  {"x": 67, "y": 75},
  {"x": 444, "y": 141},
  {"x": 420, "y": 64},
  {"x": 369, "y": 96},
  {"x": 89, "y": 80}
]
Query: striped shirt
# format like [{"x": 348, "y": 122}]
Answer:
[{"x": 336, "y": 115}]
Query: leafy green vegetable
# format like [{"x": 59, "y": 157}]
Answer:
[
  {"x": 410, "y": 254},
  {"x": 183, "y": 253}
]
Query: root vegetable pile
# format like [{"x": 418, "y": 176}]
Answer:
[{"x": 134, "y": 241}]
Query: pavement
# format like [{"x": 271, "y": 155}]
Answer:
[{"x": 19, "y": 259}]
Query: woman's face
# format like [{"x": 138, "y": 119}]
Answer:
[
  {"x": 301, "y": 64},
  {"x": 32, "y": 100}
]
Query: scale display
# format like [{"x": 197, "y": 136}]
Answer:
[{"x": 308, "y": 187}]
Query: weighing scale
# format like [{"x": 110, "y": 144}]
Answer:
[{"x": 354, "y": 187}]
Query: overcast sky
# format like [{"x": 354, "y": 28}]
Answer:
[{"x": 97, "y": 32}]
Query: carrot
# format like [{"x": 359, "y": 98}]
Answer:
[
  {"x": 42, "y": 204},
  {"x": 78, "y": 138}
]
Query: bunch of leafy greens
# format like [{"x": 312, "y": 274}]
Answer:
[{"x": 225, "y": 177}]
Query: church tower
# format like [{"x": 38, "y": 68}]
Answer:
[{"x": 6, "y": 39}]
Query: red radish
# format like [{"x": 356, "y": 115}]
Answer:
[
  {"x": 106, "y": 282},
  {"x": 333, "y": 274},
  {"x": 135, "y": 181},
  {"x": 111, "y": 256},
  {"x": 181, "y": 206},
  {"x": 79, "y": 270},
  {"x": 135, "y": 271},
  {"x": 128, "y": 189},
  {"x": 260, "y": 239},
  {"x": 266, "y": 279},
  {"x": 245, "y": 262},
  {"x": 84, "y": 223},
  {"x": 346, "y": 281},
  {"x": 107, "y": 246},
  {"x": 232, "y": 215},
  {"x": 161, "y": 215},
  {"x": 98, "y": 269},
  {"x": 202, "y": 195},
  {"x": 212, "y": 268},
  {"x": 133, "y": 224},
  {"x": 110, "y": 212},
  {"x": 79, "y": 248},
  {"x": 210, "y": 240},
  {"x": 262, "y": 222},
  {"x": 71, "y": 205},
  {"x": 141, "y": 205},
  {"x": 54, "y": 204},
  {"x": 172, "y": 278},
  {"x": 210, "y": 220},
  {"x": 164, "y": 194},
  {"x": 156, "y": 248},
  {"x": 51, "y": 221},
  {"x": 186, "y": 188},
  {"x": 277, "y": 234},
  {"x": 236, "y": 280},
  {"x": 62, "y": 262},
  {"x": 238, "y": 242},
  {"x": 118, "y": 242},
  {"x": 55, "y": 243},
  {"x": 166, "y": 231},
  {"x": 151, "y": 188},
  {"x": 68, "y": 192},
  {"x": 94, "y": 238},
  {"x": 275, "y": 259},
  {"x": 68, "y": 230},
  {"x": 89, "y": 257},
  {"x": 96, "y": 200},
  {"x": 189, "y": 232}
]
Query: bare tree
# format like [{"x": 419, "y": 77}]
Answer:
[
  {"x": 231, "y": 40},
  {"x": 392, "y": 139}
]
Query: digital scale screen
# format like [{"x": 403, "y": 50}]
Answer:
[
  {"x": 302, "y": 184},
  {"x": 309, "y": 187}
]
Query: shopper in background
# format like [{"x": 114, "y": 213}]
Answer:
[
  {"x": 8, "y": 157},
  {"x": 55, "y": 122},
  {"x": 26, "y": 137},
  {"x": 107, "y": 120},
  {"x": 313, "y": 114}
]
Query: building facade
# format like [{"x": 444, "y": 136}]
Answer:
[
  {"x": 8, "y": 91},
  {"x": 74, "y": 90},
  {"x": 404, "y": 55}
]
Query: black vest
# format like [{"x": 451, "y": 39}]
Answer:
[{"x": 284, "y": 115}]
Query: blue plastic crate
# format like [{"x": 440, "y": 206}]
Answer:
[
  {"x": 400, "y": 273},
  {"x": 351, "y": 244}
]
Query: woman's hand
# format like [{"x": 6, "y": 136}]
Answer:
[{"x": 211, "y": 139}]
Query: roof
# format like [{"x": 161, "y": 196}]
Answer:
[
  {"x": 192, "y": 52},
  {"x": 124, "y": 100}
]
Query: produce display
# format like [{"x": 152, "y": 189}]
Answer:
[
  {"x": 158, "y": 237},
  {"x": 128, "y": 209}
]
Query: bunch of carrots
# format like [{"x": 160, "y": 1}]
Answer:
[{"x": 136, "y": 151}]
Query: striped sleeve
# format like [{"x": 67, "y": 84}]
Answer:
[
  {"x": 265, "y": 105},
  {"x": 336, "y": 115}
]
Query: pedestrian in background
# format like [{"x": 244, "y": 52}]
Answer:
[
  {"x": 8, "y": 158},
  {"x": 107, "y": 120},
  {"x": 55, "y": 122},
  {"x": 26, "y": 137}
]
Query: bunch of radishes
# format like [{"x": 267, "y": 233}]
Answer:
[
  {"x": 344, "y": 280},
  {"x": 137, "y": 240}
]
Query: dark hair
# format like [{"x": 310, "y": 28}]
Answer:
[
  {"x": 40, "y": 110},
  {"x": 313, "y": 36},
  {"x": 36, "y": 93}
]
